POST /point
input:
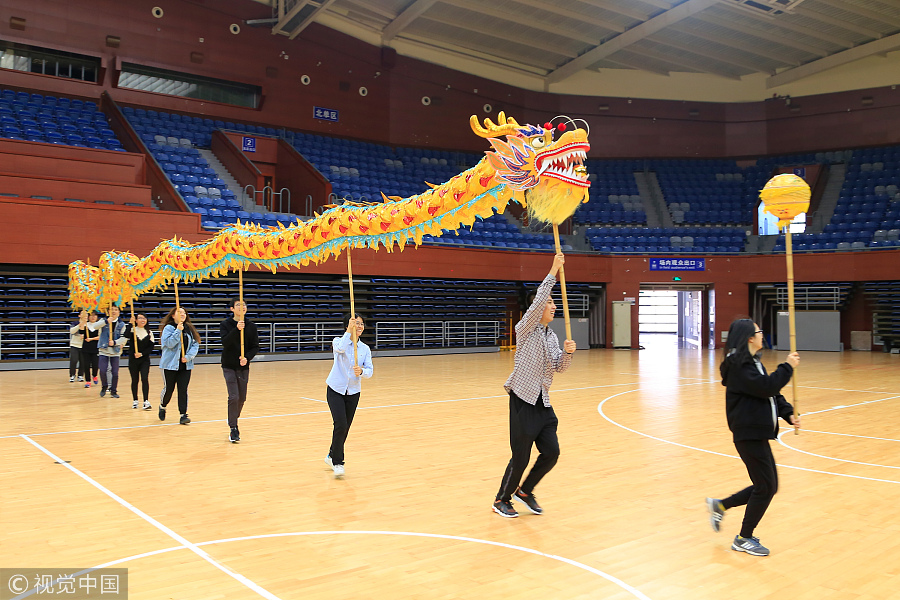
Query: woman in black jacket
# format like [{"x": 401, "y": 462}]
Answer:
[
  {"x": 139, "y": 358},
  {"x": 753, "y": 403}
]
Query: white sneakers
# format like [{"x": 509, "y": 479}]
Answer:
[{"x": 338, "y": 469}]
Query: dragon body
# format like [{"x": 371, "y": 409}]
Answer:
[{"x": 529, "y": 166}]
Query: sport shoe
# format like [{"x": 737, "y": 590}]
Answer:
[
  {"x": 71, "y": 379},
  {"x": 96, "y": 381},
  {"x": 716, "y": 513},
  {"x": 134, "y": 404},
  {"x": 87, "y": 385},
  {"x": 80, "y": 378},
  {"x": 115, "y": 395},
  {"x": 184, "y": 419},
  {"x": 528, "y": 500},
  {"x": 504, "y": 509},
  {"x": 749, "y": 545},
  {"x": 338, "y": 471},
  {"x": 235, "y": 436},
  {"x": 102, "y": 393},
  {"x": 328, "y": 461},
  {"x": 162, "y": 412},
  {"x": 147, "y": 405}
]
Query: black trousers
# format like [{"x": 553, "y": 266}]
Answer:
[
  {"x": 90, "y": 365},
  {"x": 760, "y": 463},
  {"x": 74, "y": 361},
  {"x": 140, "y": 370},
  {"x": 529, "y": 424},
  {"x": 176, "y": 379},
  {"x": 236, "y": 382},
  {"x": 342, "y": 407}
]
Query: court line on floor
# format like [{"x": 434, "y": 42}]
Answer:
[
  {"x": 181, "y": 540},
  {"x": 299, "y": 414},
  {"x": 612, "y": 579},
  {"x": 843, "y": 460},
  {"x": 653, "y": 437},
  {"x": 840, "y": 406}
]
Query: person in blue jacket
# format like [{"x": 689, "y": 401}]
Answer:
[
  {"x": 112, "y": 340},
  {"x": 344, "y": 385},
  {"x": 177, "y": 332},
  {"x": 753, "y": 404}
]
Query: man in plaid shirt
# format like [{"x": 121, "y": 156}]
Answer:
[{"x": 531, "y": 418}]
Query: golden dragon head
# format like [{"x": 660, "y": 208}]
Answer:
[{"x": 550, "y": 172}]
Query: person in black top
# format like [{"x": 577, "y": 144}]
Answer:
[
  {"x": 139, "y": 361},
  {"x": 236, "y": 368},
  {"x": 90, "y": 357},
  {"x": 753, "y": 403}
]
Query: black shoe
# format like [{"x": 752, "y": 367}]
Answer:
[
  {"x": 115, "y": 395},
  {"x": 504, "y": 509},
  {"x": 162, "y": 412},
  {"x": 235, "y": 436},
  {"x": 528, "y": 500},
  {"x": 102, "y": 393},
  {"x": 184, "y": 419}
]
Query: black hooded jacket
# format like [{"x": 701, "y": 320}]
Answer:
[{"x": 752, "y": 397}]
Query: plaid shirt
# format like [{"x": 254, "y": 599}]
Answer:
[{"x": 538, "y": 353}]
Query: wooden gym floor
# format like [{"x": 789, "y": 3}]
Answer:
[{"x": 643, "y": 440}]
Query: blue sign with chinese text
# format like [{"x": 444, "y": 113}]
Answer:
[
  {"x": 325, "y": 114},
  {"x": 248, "y": 144},
  {"x": 677, "y": 264}
]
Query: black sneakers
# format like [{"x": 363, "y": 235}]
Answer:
[
  {"x": 184, "y": 419},
  {"x": 528, "y": 500},
  {"x": 504, "y": 509},
  {"x": 162, "y": 412},
  {"x": 235, "y": 436}
]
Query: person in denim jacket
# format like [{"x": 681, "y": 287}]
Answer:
[
  {"x": 177, "y": 332},
  {"x": 112, "y": 340}
]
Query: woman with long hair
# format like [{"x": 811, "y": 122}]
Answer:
[
  {"x": 753, "y": 403},
  {"x": 76, "y": 340},
  {"x": 177, "y": 332},
  {"x": 139, "y": 357},
  {"x": 90, "y": 358}
]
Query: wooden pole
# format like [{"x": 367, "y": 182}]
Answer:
[
  {"x": 789, "y": 255},
  {"x": 353, "y": 332},
  {"x": 133, "y": 332},
  {"x": 241, "y": 308},
  {"x": 562, "y": 281},
  {"x": 177, "y": 306}
]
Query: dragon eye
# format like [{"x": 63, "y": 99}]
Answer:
[{"x": 538, "y": 141}]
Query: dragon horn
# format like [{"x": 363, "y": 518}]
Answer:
[{"x": 504, "y": 126}]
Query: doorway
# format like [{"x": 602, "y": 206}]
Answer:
[{"x": 676, "y": 317}]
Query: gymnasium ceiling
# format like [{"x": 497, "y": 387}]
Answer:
[{"x": 786, "y": 40}]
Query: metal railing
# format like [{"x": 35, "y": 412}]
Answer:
[
  {"x": 436, "y": 334},
  {"x": 267, "y": 193},
  {"x": 811, "y": 297},
  {"x": 35, "y": 339},
  {"x": 579, "y": 304}
]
